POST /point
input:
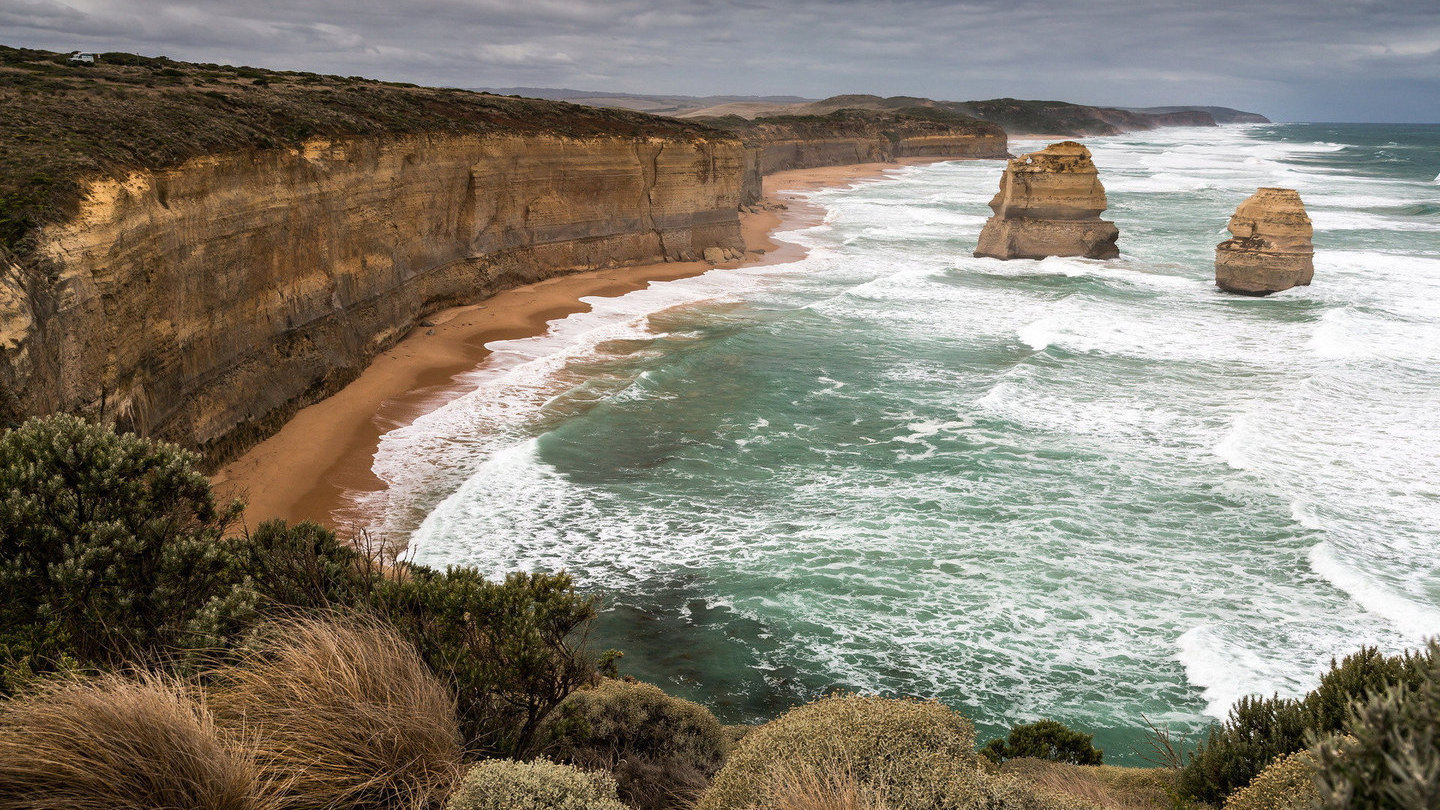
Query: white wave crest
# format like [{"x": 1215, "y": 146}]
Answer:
[{"x": 1415, "y": 620}]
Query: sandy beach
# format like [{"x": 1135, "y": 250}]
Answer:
[{"x": 304, "y": 471}]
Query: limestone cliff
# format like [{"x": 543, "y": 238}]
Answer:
[
  {"x": 196, "y": 301},
  {"x": 849, "y": 136},
  {"x": 1271, "y": 249},
  {"x": 1049, "y": 204}
]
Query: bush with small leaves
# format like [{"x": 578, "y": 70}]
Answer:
[
  {"x": 512, "y": 650},
  {"x": 111, "y": 548},
  {"x": 1257, "y": 731},
  {"x": 662, "y": 750},
  {"x": 1261, "y": 729},
  {"x": 1048, "y": 740},
  {"x": 1391, "y": 758},
  {"x": 536, "y": 785},
  {"x": 304, "y": 567}
]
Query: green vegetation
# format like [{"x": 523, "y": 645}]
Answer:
[
  {"x": 535, "y": 785},
  {"x": 114, "y": 743},
  {"x": 513, "y": 650},
  {"x": 1261, "y": 729},
  {"x": 661, "y": 750},
  {"x": 62, "y": 123},
  {"x": 1047, "y": 740},
  {"x": 110, "y": 549},
  {"x": 1391, "y": 758},
  {"x": 342, "y": 714},
  {"x": 113, "y": 552}
]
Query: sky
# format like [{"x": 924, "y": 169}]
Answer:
[{"x": 1293, "y": 60}]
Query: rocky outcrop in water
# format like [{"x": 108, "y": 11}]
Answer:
[
  {"x": 1049, "y": 205},
  {"x": 1271, "y": 249}
]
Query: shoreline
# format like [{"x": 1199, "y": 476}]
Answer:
[{"x": 310, "y": 467}]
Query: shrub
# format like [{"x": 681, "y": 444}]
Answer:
[
  {"x": 306, "y": 567},
  {"x": 344, "y": 714},
  {"x": 1046, "y": 740},
  {"x": 1257, "y": 731},
  {"x": 661, "y": 750},
  {"x": 919, "y": 755},
  {"x": 1392, "y": 757},
  {"x": 110, "y": 546},
  {"x": 1361, "y": 676},
  {"x": 1288, "y": 783},
  {"x": 117, "y": 744},
  {"x": 922, "y": 754},
  {"x": 535, "y": 785},
  {"x": 512, "y": 650}
]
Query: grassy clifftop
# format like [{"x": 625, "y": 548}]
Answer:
[
  {"x": 902, "y": 122},
  {"x": 62, "y": 122}
]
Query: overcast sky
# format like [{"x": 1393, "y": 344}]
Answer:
[{"x": 1298, "y": 60}]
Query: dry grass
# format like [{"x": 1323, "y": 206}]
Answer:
[
  {"x": 345, "y": 714},
  {"x": 1106, "y": 786},
  {"x": 113, "y": 743},
  {"x": 830, "y": 787}
]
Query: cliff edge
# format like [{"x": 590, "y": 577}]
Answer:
[{"x": 197, "y": 250}]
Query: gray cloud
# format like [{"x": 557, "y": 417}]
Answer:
[{"x": 1292, "y": 59}]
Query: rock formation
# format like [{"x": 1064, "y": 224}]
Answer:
[
  {"x": 854, "y": 136},
  {"x": 1049, "y": 205},
  {"x": 201, "y": 303},
  {"x": 1271, "y": 248}
]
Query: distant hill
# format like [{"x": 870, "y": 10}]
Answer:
[
  {"x": 1017, "y": 116},
  {"x": 655, "y": 104},
  {"x": 1222, "y": 115}
]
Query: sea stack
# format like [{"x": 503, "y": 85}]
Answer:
[
  {"x": 1049, "y": 205},
  {"x": 1271, "y": 249}
]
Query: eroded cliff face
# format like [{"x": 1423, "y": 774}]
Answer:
[
  {"x": 1049, "y": 204},
  {"x": 1271, "y": 249},
  {"x": 201, "y": 303},
  {"x": 848, "y": 137}
]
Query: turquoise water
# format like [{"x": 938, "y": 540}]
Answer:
[{"x": 1091, "y": 491}]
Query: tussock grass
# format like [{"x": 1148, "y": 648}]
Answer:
[
  {"x": 115, "y": 743},
  {"x": 829, "y": 787},
  {"x": 344, "y": 714},
  {"x": 1106, "y": 786}
]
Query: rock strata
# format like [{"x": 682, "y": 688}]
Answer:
[
  {"x": 1271, "y": 249},
  {"x": 202, "y": 303},
  {"x": 1049, "y": 205}
]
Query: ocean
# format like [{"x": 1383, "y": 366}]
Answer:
[{"x": 1101, "y": 492}]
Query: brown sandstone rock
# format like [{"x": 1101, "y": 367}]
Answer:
[
  {"x": 1049, "y": 205},
  {"x": 1271, "y": 249}
]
